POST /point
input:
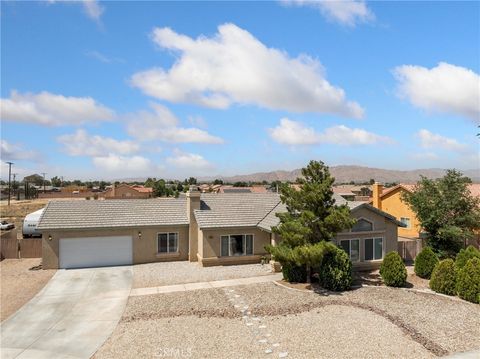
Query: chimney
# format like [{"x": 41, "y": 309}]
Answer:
[
  {"x": 193, "y": 203},
  {"x": 377, "y": 193},
  {"x": 113, "y": 190}
]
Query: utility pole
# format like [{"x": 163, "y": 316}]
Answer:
[
  {"x": 9, "y": 175},
  {"x": 43, "y": 173},
  {"x": 13, "y": 185}
]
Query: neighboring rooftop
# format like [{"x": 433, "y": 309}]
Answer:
[
  {"x": 234, "y": 209},
  {"x": 114, "y": 213}
]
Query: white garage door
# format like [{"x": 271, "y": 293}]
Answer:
[{"x": 95, "y": 251}]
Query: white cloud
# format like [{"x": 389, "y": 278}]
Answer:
[
  {"x": 294, "y": 133},
  {"x": 49, "y": 109},
  {"x": 345, "y": 12},
  {"x": 103, "y": 58},
  {"x": 161, "y": 124},
  {"x": 198, "y": 121},
  {"x": 432, "y": 140},
  {"x": 189, "y": 161},
  {"x": 445, "y": 88},
  {"x": 15, "y": 152},
  {"x": 290, "y": 132},
  {"x": 93, "y": 9},
  {"x": 81, "y": 143},
  {"x": 235, "y": 67},
  {"x": 122, "y": 164}
]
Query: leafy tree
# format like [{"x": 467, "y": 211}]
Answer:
[
  {"x": 217, "y": 181},
  {"x": 160, "y": 188},
  {"x": 190, "y": 181},
  {"x": 446, "y": 210},
  {"x": 312, "y": 217},
  {"x": 56, "y": 181},
  {"x": 240, "y": 184},
  {"x": 150, "y": 182}
]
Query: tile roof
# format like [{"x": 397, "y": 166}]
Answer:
[
  {"x": 234, "y": 209},
  {"x": 114, "y": 213}
]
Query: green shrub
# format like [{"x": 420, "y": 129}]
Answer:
[
  {"x": 468, "y": 281},
  {"x": 443, "y": 278},
  {"x": 464, "y": 255},
  {"x": 393, "y": 271},
  {"x": 335, "y": 272},
  {"x": 425, "y": 262},
  {"x": 294, "y": 273}
]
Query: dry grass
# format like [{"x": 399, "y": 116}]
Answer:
[{"x": 21, "y": 279}]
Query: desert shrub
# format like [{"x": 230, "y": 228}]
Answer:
[
  {"x": 443, "y": 279},
  {"x": 393, "y": 271},
  {"x": 335, "y": 272},
  {"x": 294, "y": 273},
  {"x": 425, "y": 262},
  {"x": 464, "y": 255},
  {"x": 468, "y": 281}
]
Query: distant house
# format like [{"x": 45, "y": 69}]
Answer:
[
  {"x": 208, "y": 228},
  {"x": 390, "y": 201},
  {"x": 127, "y": 191}
]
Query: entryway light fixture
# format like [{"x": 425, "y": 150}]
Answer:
[{"x": 139, "y": 235}]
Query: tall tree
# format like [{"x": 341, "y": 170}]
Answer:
[
  {"x": 312, "y": 216},
  {"x": 446, "y": 210}
]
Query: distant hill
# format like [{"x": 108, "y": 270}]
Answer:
[
  {"x": 345, "y": 174},
  {"x": 342, "y": 174}
]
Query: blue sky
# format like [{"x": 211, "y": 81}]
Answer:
[{"x": 169, "y": 89}]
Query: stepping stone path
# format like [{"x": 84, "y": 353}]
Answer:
[{"x": 258, "y": 330}]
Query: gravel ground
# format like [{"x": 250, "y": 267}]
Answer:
[
  {"x": 364, "y": 323},
  {"x": 167, "y": 273},
  {"x": 442, "y": 324},
  {"x": 20, "y": 283}
]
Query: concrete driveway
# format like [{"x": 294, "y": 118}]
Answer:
[{"x": 71, "y": 317}]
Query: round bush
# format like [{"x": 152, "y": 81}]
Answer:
[
  {"x": 336, "y": 270},
  {"x": 443, "y": 278},
  {"x": 468, "y": 281},
  {"x": 293, "y": 273},
  {"x": 393, "y": 271},
  {"x": 464, "y": 255},
  {"x": 425, "y": 262}
]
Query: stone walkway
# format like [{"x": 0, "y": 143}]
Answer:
[{"x": 205, "y": 285}]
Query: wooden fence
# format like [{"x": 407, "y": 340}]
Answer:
[
  {"x": 13, "y": 247},
  {"x": 408, "y": 250}
]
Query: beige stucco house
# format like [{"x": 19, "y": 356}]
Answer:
[{"x": 208, "y": 228}]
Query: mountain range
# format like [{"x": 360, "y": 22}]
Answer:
[{"x": 346, "y": 174}]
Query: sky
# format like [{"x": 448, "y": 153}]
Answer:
[{"x": 111, "y": 89}]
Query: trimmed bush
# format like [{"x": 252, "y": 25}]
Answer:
[
  {"x": 393, "y": 271},
  {"x": 294, "y": 273},
  {"x": 443, "y": 278},
  {"x": 425, "y": 262},
  {"x": 468, "y": 281},
  {"x": 336, "y": 270},
  {"x": 464, "y": 255}
]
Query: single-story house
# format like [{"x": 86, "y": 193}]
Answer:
[
  {"x": 124, "y": 190},
  {"x": 208, "y": 228}
]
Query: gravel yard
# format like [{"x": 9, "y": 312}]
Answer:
[
  {"x": 20, "y": 281},
  {"x": 245, "y": 321},
  {"x": 167, "y": 273}
]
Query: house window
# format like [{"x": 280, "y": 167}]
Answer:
[
  {"x": 352, "y": 247},
  {"x": 167, "y": 242},
  {"x": 405, "y": 221},
  {"x": 236, "y": 245},
  {"x": 362, "y": 225},
  {"x": 373, "y": 249}
]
